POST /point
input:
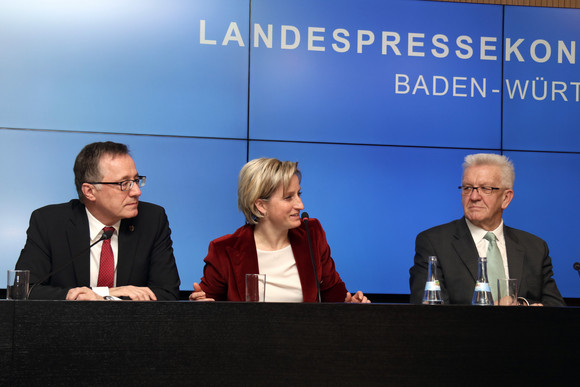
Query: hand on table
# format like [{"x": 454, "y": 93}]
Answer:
[
  {"x": 198, "y": 294},
  {"x": 82, "y": 294},
  {"x": 358, "y": 298},
  {"x": 135, "y": 293}
]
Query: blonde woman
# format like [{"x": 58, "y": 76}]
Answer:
[{"x": 273, "y": 242}]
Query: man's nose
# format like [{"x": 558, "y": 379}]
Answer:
[
  {"x": 135, "y": 190},
  {"x": 475, "y": 194}
]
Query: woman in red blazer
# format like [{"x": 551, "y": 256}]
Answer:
[{"x": 273, "y": 242}]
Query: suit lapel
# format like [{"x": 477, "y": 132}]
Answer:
[
  {"x": 128, "y": 249},
  {"x": 301, "y": 253},
  {"x": 465, "y": 247},
  {"x": 77, "y": 233},
  {"x": 515, "y": 254}
]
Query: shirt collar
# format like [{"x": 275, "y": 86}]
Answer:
[
  {"x": 478, "y": 233},
  {"x": 96, "y": 227}
]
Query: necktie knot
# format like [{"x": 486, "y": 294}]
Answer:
[{"x": 490, "y": 237}]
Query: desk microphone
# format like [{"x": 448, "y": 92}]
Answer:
[
  {"x": 305, "y": 220},
  {"x": 106, "y": 235},
  {"x": 577, "y": 267}
]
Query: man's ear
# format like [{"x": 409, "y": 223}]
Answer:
[
  {"x": 508, "y": 195},
  {"x": 89, "y": 191}
]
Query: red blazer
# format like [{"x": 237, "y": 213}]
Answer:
[{"x": 233, "y": 256}]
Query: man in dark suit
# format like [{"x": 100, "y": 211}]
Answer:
[
  {"x": 137, "y": 261},
  {"x": 486, "y": 191}
]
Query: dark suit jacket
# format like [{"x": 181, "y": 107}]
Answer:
[
  {"x": 233, "y": 256},
  {"x": 528, "y": 261},
  {"x": 57, "y": 233}
]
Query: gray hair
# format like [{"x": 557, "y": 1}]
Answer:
[{"x": 508, "y": 173}]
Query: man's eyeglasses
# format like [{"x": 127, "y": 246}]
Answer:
[
  {"x": 468, "y": 189},
  {"x": 125, "y": 185}
]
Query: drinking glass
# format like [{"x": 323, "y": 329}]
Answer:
[
  {"x": 507, "y": 292},
  {"x": 17, "y": 285},
  {"x": 255, "y": 287}
]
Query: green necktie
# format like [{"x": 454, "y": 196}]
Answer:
[{"x": 494, "y": 263}]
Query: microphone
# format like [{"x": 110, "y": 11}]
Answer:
[
  {"x": 577, "y": 267},
  {"x": 106, "y": 235},
  {"x": 305, "y": 218}
]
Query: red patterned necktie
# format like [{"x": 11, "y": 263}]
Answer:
[{"x": 107, "y": 266}]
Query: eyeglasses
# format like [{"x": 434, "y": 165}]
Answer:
[
  {"x": 468, "y": 189},
  {"x": 125, "y": 185}
]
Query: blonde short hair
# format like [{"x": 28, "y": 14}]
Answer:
[
  {"x": 258, "y": 179},
  {"x": 508, "y": 173}
]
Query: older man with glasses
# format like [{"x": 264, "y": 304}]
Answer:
[
  {"x": 486, "y": 191},
  {"x": 106, "y": 244}
]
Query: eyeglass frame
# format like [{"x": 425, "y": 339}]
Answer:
[
  {"x": 485, "y": 190},
  {"x": 140, "y": 180}
]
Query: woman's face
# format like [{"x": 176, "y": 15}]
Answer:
[{"x": 282, "y": 210}]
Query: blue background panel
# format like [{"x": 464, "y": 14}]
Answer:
[
  {"x": 350, "y": 97},
  {"x": 535, "y": 122},
  {"x": 123, "y": 66}
]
